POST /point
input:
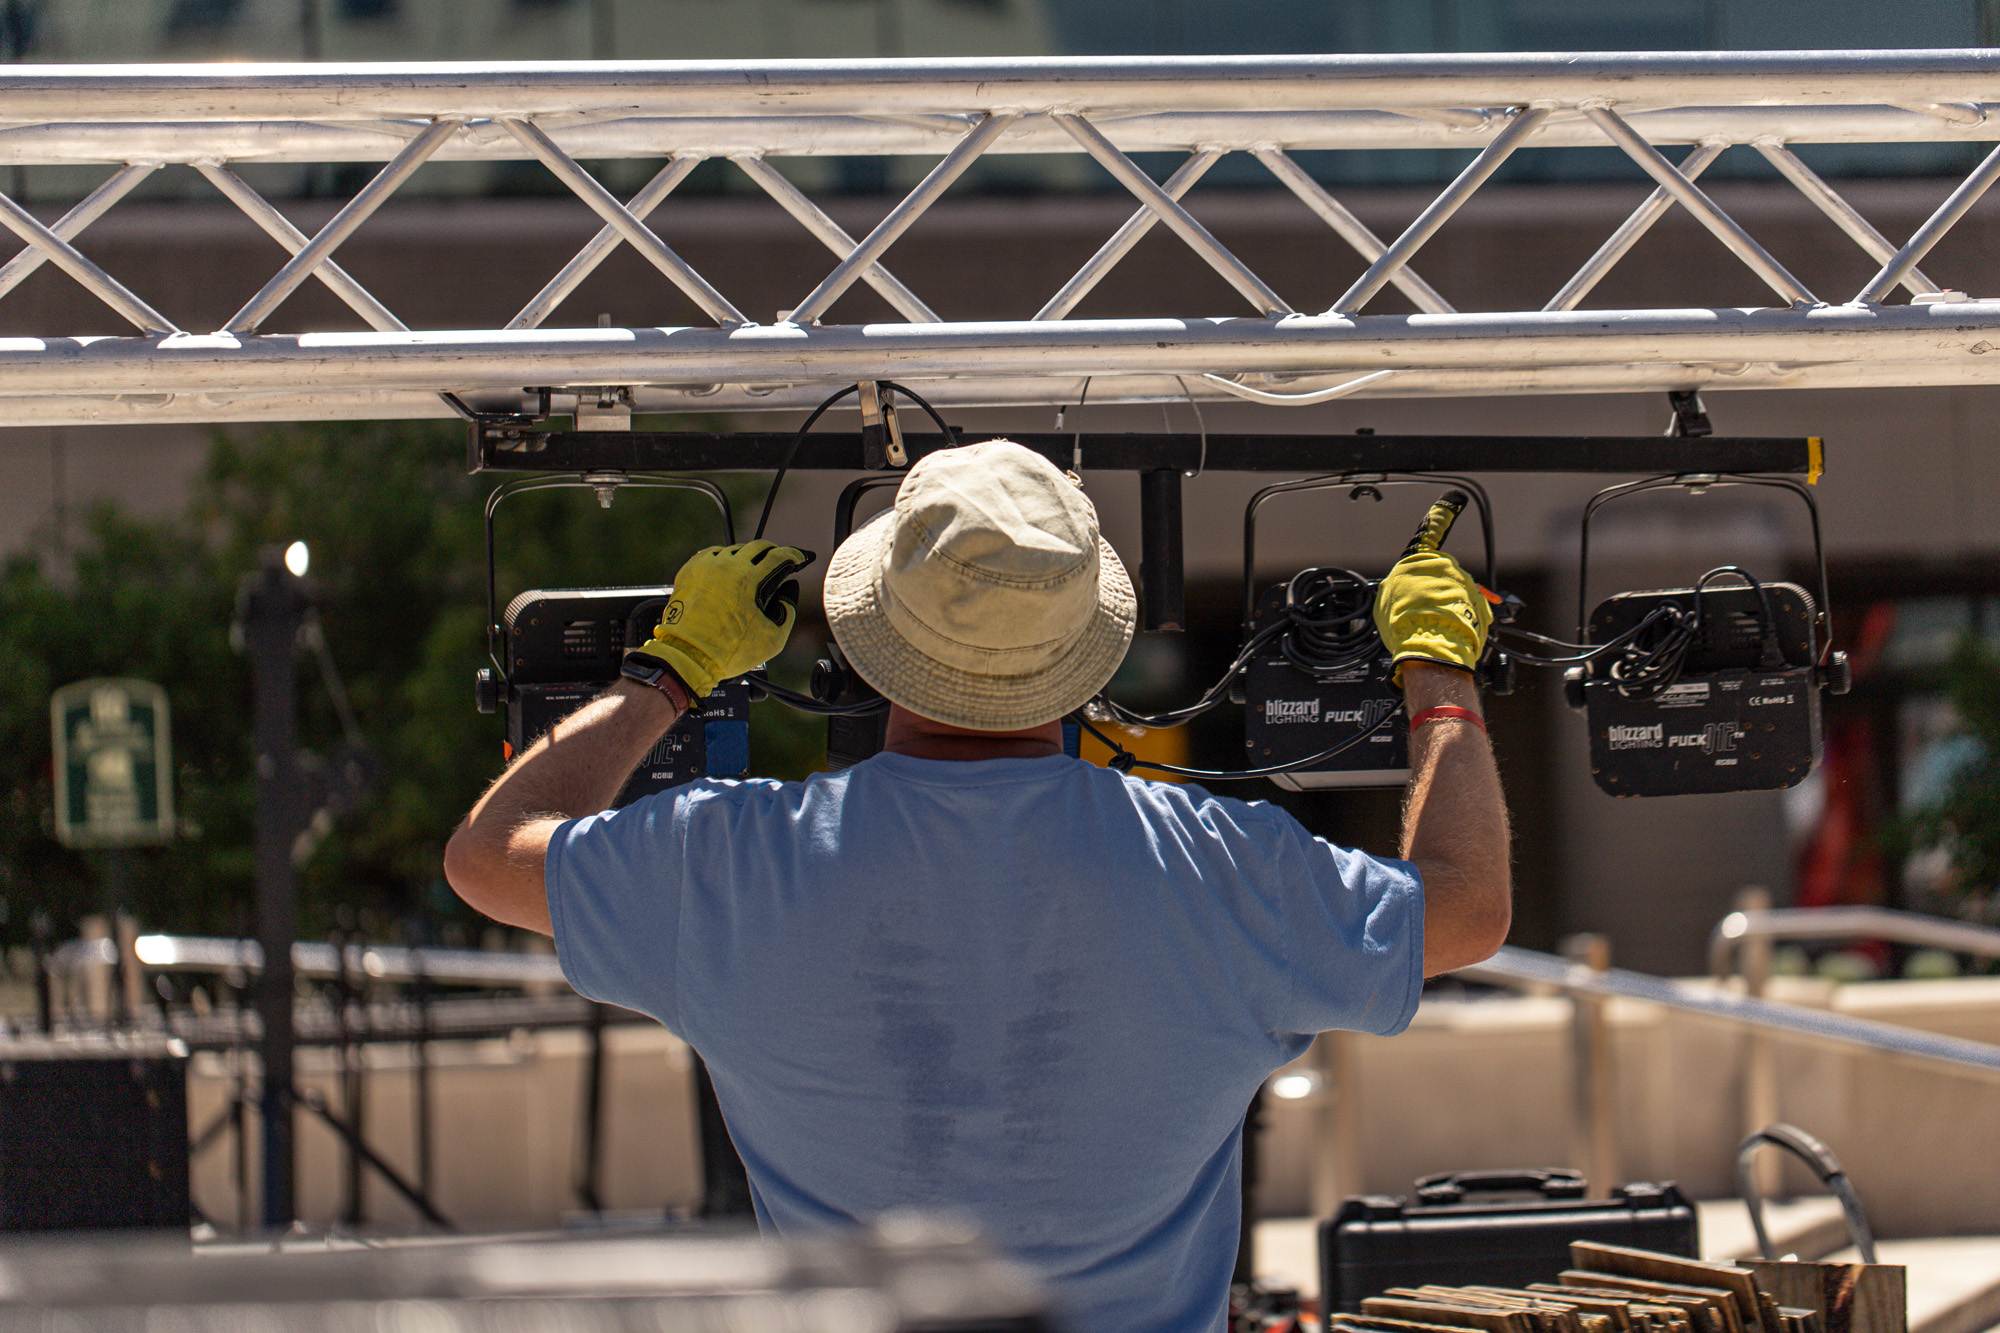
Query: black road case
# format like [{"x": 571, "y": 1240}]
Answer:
[{"x": 1446, "y": 1235}]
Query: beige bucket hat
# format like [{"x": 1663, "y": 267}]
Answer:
[{"x": 985, "y": 597}]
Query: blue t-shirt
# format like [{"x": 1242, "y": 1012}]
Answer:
[{"x": 1032, "y": 990}]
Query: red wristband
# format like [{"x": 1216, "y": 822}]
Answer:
[{"x": 1447, "y": 711}]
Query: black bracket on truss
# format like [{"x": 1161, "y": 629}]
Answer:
[
  {"x": 1159, "y": 459},
  {"x": 1690, "y": 416},
  {"x": 513, "y": 448}
]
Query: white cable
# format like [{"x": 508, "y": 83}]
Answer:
[{"x": 1297, "y": 399}]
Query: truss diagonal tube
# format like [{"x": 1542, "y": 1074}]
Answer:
[
  {"x": 600, "y": 246},
  {"x": 1476, "y": 174},
  {"x": 1349, "y": 227},
  {"x": 71, "y": 261},
  {"x": 1947, "y": 216},
  {"x": 1127, "y": 236},
  {"x": 342, "y": 225},
  {"x": 832, "y": 235},
  {"x": 1629, "y": 231},
  {"x": 280, "y": 229},
  {"x": 900, "y": 218},
  {"x": 636, "y": 233},
  {"x": 1690, "y": 197},
  {"x": 1127, "y": 173},
  {"x": 71, "y": 224},
  {"x": 1844, "y": 216}
]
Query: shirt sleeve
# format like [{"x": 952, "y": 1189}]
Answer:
[
  {"x": 614, "y": 888},
  {"x": 1344, "y": 929},
  {"x": 1353, "y": 939}
]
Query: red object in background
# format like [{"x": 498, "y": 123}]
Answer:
[
  {"x": 1842, "y": 860},
  {"x": 1842, "y": 863}
]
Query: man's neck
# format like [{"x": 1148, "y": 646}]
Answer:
[{"x": 923, "y": 738}]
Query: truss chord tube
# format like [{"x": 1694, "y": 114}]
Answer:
[
  {"x": 1128, "y": 235},
  {"x": 600, "y": 246},
  {"x": 1948, "y": 213},
  {"x": 280, "y": 229},
  {"x": 1724, "y": 227},
  {"x": 71, "y": 224},
  {"x": 1620, "y": 242},
  {"x": 832, "y": 235},
  {"x": 1475, "y": 175},
  {"x": 71, "y": 261},
  {"x": 1103, "y": 85},
  {"x": 1844, "y": 216},
  {"x": 603, "y": 203},
  {"x": 342, "y": 225},
  {"x": 1722, "y": 345},
  {"x": 1957, "y": 113},
  {"x": 1163, "y": 128},
  {"x": 1127, "y": 173},
  {"x": 900, "y": 218},
  {"x": 1351, "y": 228}
]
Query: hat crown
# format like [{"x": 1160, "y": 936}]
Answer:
[{"x": 994, "y": 551}]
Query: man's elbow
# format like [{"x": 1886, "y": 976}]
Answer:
[
  {"x": 467, "y": 869},
  {"x": 1467, "y": 926}
]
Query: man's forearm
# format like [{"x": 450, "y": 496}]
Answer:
[
  {"x": 1455, "y": 823},
  {"x": 495, "y": 859}
]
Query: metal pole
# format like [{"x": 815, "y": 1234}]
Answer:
[
  {"x": 1350, "y": 228},
  {"x": 1127, "y": 236},
  {"x": 421, "y": 988},
  {"x": 591, "y": 1144},
  {"x": 1723, "y": 227},
  {"x": 71, "y": 224},
  {"x": 71, "y": 261},
  {"x": 1948, "y": 213},
  {"x": 273, "y": 610},
  {"x": 1162, "y": 585},
  {"x": 1337, "y": 1169},
  {"x": 342, "y": 225},
  {"x": 1760, "y": 1056},
  {"x": 1593, "y": 1076},
  {"x": 1629, "y": 231},
  {"x": 1126, "y": 172},
  {"x": 1476, "y": 174},
  {"x": 914, "y": 205},
  {"x": 1844, "y": 216},
  {"x": 636, "y": 233},
  {"x": 833, "y": 236}
]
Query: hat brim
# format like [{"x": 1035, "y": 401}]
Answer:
[{"x": 906, "y": 675}]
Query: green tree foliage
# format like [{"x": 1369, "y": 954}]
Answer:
[
  {"x": 395, "y": 528},
  {"x": 1966, "y": 822}
]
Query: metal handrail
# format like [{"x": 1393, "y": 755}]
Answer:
[
  {"x": 1822, "y": 923},
  {"x": 1526, "y": 969},
  {"x": 450, "y": 967}
]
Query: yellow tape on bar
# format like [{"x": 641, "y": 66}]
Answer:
[{"x": 1815, "y": 459}]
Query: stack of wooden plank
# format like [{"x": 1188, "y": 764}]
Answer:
[{"x": 1606, "y": 1289}]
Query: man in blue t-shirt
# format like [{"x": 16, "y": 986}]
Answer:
[{"x": 972, "y": 973}]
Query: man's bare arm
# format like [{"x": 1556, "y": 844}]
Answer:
[
  {"x": 495, "y": 859},
  {"x": 1455, "y": 825}
]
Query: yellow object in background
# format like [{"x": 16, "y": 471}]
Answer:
[{"x": 1167, "y": 745}]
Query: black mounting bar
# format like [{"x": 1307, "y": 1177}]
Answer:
[{"x": 513, "y": 449}]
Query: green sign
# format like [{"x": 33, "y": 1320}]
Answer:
[{"x": 114, "y": 770}]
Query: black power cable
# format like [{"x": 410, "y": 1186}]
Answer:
[{"x": 1124, "y": 761}]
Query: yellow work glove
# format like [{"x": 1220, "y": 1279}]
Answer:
[
  {"x": 1428, "y": 609},
  {"x": 732, "y": 610}
]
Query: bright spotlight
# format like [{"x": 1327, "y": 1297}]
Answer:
[{"x": 298, "y": 559}]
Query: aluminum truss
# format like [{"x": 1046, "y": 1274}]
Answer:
[{"x": 139, "y": 119}]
